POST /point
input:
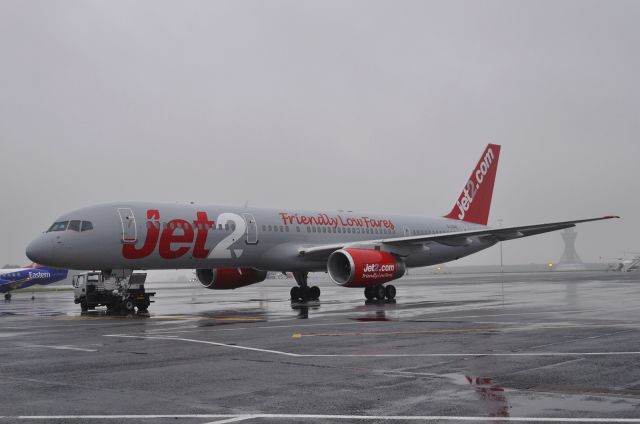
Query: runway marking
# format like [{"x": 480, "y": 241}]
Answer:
[
  {"x": 236, "y": 418},
  {"x": 277, "y": 352},
  {"x": 374, "y": 355},
  {"x": 531, "y": 327},
  {"x": 391, "y": 333},
  {"x": 61, "y": 347},
  {"x": 231, "y": 420}
]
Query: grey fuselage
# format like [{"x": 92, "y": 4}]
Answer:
[{"x": 137, "y": 235}]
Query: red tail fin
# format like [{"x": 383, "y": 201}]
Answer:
[{"x": 475, "y": 200}]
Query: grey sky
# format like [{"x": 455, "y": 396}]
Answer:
[{"x": 365, "y": 105}]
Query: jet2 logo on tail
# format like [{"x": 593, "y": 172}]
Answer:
[{"x": 471, "y": 188}]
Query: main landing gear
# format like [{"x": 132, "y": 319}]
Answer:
[
  {"x": 380, "y": 292},
  {"x": 7, "y": 296},
  {"x": 303, "y": 292}
]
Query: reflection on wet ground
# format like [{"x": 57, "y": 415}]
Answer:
[{"x": 521, "y": 345}]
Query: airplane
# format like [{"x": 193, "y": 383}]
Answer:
[
  {"x": 20, "y": 278},
  {"x": 625, "y": 265},
  {"x": 231, "y": 247}
]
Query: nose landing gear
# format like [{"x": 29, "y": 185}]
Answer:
[
  {"x": 380, "y": 292},
  {"x": 303, "y": 292}
]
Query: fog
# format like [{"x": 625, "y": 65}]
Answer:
[{"x": 377, "y": 106}]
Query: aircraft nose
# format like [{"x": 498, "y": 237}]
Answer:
[{"x": 39, "y": 251}]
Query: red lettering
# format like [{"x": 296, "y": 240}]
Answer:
[
  {"x": 168, "y": 238},
  {"x": 130, "y": 251},
  {"x": 202, "y": 225}
]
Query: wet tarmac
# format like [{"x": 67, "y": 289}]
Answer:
[{"x": 546, "y": 347}]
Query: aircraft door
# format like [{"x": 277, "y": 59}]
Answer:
[
  {"x": 129, "y": 230},
  {"x": 252, "y": 228}
]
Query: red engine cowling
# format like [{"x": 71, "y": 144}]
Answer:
[
  {"x": 363, "y": 267},
  {"x": 229, "y": 278}
]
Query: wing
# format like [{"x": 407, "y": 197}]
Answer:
[{"x": 460, "y": 238}]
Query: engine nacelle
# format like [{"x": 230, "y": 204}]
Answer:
[
  {"x": 229, "y": 278},
  {"x": 363, "y": 267}
]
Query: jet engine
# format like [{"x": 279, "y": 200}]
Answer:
[
  {"x": 229, "y": 278},
  {"x": 363, "y": 267}
]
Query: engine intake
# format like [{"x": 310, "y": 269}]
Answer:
[
  {"x": 363, "y": 267},
  {"x": 229, "y": 278}
]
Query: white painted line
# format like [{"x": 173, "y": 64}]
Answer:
[
  {"x": 80, "y": 349},
  {"x": 326, "y": 417},
  {"x": 376, "y": 355},
  {"x": 231, "y": 420},
  {"x": 277, "y": 352}
]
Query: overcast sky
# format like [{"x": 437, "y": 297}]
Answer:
[{"x": 377, "y": 106}]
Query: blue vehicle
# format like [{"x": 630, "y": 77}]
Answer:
[{"x": 19, "y": 278}]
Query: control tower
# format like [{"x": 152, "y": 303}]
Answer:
[{"x": 570, "y": 260}]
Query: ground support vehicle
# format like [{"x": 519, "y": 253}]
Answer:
[{"x": 92, "y": 289}]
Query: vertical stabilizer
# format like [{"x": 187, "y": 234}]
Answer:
[{"x": 474, "y": 202}]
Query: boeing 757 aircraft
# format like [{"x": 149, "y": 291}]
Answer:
[
  {"x": 20, "y": 278},
  {"x": 231, "y": 247}
]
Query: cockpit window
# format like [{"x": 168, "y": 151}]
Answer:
[
  {"x": 74, "y": 225},
  {"x": 86, "y": 226},
  {"x": 59, "y": 226}
]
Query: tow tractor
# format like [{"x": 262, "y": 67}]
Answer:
[{"x": 93, "y": 289}]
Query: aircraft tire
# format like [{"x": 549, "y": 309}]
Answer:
[
  {"x": 368, "y": 293},
  {"x": 84, "y": 306},
  {"x": 129, "y": 306},
  {"x": 390, "y": 292},
  {"x": 379, "y": 292},
  {"x": 295, "y": 293},
  {"x": 7, "y": 296},
  {"x": 314, "y": 292}
]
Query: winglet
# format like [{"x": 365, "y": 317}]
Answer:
[{"x": 474, "y": 202}]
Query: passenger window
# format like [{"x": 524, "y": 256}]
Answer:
[
  {"x": 226, "y": 227},
  {"x": 298, "y": 228},
  {"x": 74, "y": 225},
  {"x": 281, "y": 229},
  {"x": 264, "y": 228},
  {"x": 324, "y": 229},
  {"x": 286, "y": 228},
  {"x": 314, "y": 229},
  {"x": 275, "y": 228},
  {"x": 270, "y": 228},
  {"x": 308, "y": 229},
  {"x": 59, "y": 226}
]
